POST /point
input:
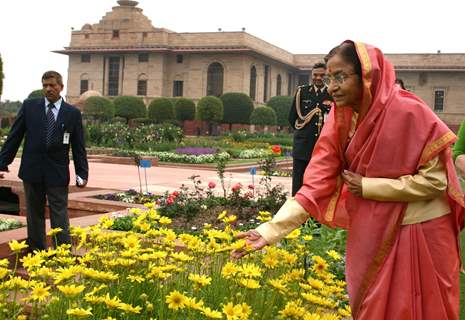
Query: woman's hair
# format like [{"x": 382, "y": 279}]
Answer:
[{"x": 348, "y": 53}]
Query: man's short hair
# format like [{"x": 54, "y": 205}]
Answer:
[
  {"x": 319, "y": 65},
  {"x": 53, "y": 74}
]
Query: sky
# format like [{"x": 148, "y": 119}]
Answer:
[{"x": 31, "y": 29}]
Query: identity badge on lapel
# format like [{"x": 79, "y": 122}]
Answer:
[{"x": 66, "y": 138}]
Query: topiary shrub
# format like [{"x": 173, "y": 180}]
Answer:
[
  {"x": 142, "y": 121},
  {"x": 281, "y": 105},
  {"x": 237, "y": 108},
  {"x": 39, "y": 93},
  {"x": 99, "y": 108},
  {"x": 184, "y": 109},
  {"x": 161, "y": 110},
  {"x": 210, "y": 109},
  {"x": 129, "y": 107},
  {"x": 263, "y": 116}
]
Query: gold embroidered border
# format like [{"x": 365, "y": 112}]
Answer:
[
  {"x": 367, "y": 69},
  {"x": 456, "y": 195},
  {"x": 329, "y": 215},
  {"x": 434, "y": 146}
]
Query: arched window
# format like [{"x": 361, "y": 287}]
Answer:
[
  {"x": 278, "y": 85},
  {"x": 142, "y": 85},
  {"x": 215, "y": 79},
  {"x": 84, "y": 83},
  {"x": 253, "y": 83}
]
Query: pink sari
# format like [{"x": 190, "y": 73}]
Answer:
[{"x": 393, "y": 271}]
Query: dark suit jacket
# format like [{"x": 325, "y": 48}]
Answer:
[
  {"x": 305, "y": 138},
  {"x": 39, "y": 163}
]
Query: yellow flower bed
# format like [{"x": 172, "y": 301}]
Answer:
[{"x": 158, "y": 274}]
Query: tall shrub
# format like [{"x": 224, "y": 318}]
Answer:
[
  {"x": 264, "y": 116},
  {"x": 184, "y": 109},
  {"x": 281, "y": 105},
  {"x": 161, "y": 110},
  {"x": 99, "y": 108},
  {"x": 129, "y": 107},
  {"x": 237, "y": 107}
]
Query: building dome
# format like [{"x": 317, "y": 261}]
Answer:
[
  {"x": 128, "y": 3},
  {"x": 86, "y": 27}
]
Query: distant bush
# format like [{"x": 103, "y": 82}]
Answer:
[
  {"x": 161, "y": 110},
  {"x": 39, "y": 93},
  {"x": 99, "y": 108},
  {"x": 264, "y": 116},
  {"x": 210, "y": 109},
  {"x": 281, "y": 105},
  {"x": 184, "y": 109},
  {"x": 237, "y": 108},
  {"x": 129, "y": 107}
]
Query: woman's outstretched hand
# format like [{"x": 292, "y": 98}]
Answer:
[
  {"x": 253, "y": 240},
  {"x": 354, "y": 182}
]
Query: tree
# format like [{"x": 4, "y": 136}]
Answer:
[
  {"x": 129, "y": 107},
  {"x": 184, "y": 109},
  {"x": 237, "y": 108},
  {"x": 263, "y": 116},
  {"x": 99, "y": 108},
  {"x": 210, "y": 109},
  {"x": 39, "y": 93},
  {"x": 161, "y": 110},
  {"x": 281, "y": 105}
]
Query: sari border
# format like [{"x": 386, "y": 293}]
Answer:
[
  {"x": 436, "y": 146},
  {"x": 330, "y": 211}
]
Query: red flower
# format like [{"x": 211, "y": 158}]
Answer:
[
  {"x": 175, "y": 194},
  {"x": 236, "y": 187},
  {"x": 211, "y": 185},
  {"x": 251, "y": 186},
  {"x": 170, "y": 200},
  {"x": 276, "y": 149}
]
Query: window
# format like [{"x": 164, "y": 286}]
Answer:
[
  {"x": 179, "y": 58},
  {"x": 113, "y": 76},
  {"x": 86, "y": 36},
  {"x": 85, "y": 58},
  {"x": 278, "y": 85},
  {"x": 115, "y": 34},
  {"x": 144, "y": 34},
  {"x": 303, "y": 79},
  {"x": 215, "y": 79},
  {"x": 177, "y": 88},
  {"x": 143, "y": 57},
  {"x": 84, "y": 86},
  {"x": 439, "y": 95},
  {"x": 289, "y": 84},
  {"x": 266, "y": 75},
  {"x": 141, "y": 87},
  {"x": 253, "y": 83}
]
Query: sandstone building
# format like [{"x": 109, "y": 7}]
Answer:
[{"x": 124, "y": 54}]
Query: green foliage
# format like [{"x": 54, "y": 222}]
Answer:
[
  {"x": 99, "y": 108},
  {"x": 9, "y": 108},
  {"x": 184, "y": 109},
  {"x": 1, "y": 76},
  {"x": 264, "y": 116},
  {"x": 124, "y": 223},
  {"x": 210, "y": 109},
  {"x": 161, "y": 110},
  {"x": 237, "y": 107},
  {"x": 129, "y": 107},
  {"x": 36, "y": 94},
  {"x": 281, "y": 105},
  {"x": 142, "y": 121}
]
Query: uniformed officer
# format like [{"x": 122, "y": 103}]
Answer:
[{"x": 311, "y": 105}]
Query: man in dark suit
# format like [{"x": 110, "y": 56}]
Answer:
[
  {"x": 50, "y": 126},
  {"x": 311, "y": 105}
]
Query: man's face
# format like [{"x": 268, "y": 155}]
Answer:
[
  {"x": 317, "y": 77},
  {"x": 51, "y": 89}
]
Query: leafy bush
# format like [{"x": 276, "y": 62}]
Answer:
[
  {"x": 264, "y": 116},
  {"x": 161, "y": 110},
  {"x": 210, "y": 109},
  {"x": 184, "y": 109},
  {"x": 142, "y": 121},
  {"x": 99, "y": 108},
  {"x": 9, "y": 224},
  {"x": 196, "y": 150},
  {"x": 237, "y": 107},
  {"x": 39, "y": 93},
  {"x": 281, "y": 105},
  {"x": 129, "y": 107},
  {"x": 253, "y": 153}
]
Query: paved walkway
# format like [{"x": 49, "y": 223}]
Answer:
[{"x": 159, "y": 179}]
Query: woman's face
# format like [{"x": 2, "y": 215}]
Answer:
[{"x": 344, "y": 85}]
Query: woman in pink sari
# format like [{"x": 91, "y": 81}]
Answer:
[{"x": 382, "y": 169}]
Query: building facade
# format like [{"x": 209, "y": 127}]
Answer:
[{"x": 124, "y": 54}]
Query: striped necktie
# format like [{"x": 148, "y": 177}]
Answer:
[{"x": 50, "y": 124}]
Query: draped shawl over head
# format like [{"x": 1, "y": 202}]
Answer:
[{"x": 396, "y": 134}]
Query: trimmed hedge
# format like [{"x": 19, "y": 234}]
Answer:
[
  {"x": 39, "y": 93},
  {"x": 281, "y": 105},
  {"x": 129, "y": 107},
  {"x": 184, "y": 109},
  {"x": 210, "y": 109},
  {"x": 264, "y": 116},
  {"x": 161, "y": 110},
  {"x": 99, "y": 108},
  {"x": 237, "y": 108}
]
